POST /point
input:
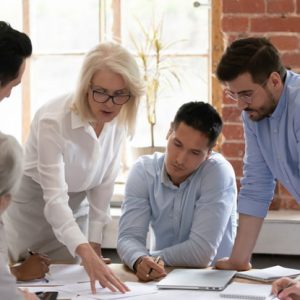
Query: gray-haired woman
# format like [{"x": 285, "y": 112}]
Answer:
[{"x": 72, "y": 154}]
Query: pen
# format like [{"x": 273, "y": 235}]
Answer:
[
  {"x": 289, "y": 285},
  {"x": 30, "y": 252},
  {"x": 156, "y": 260},
  {"x": 281, "y": 290}
]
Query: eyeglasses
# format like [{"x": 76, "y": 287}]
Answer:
[
  {"x": 246, "y": 97},
  {"x": 102, "y": 97}
]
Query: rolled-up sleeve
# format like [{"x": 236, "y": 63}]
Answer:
[{"x": 258, "y": 183}]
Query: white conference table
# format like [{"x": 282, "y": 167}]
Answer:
[{"x": 125, "y": 274}]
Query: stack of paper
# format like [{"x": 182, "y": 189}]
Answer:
[{"x": 269, "y": 274}]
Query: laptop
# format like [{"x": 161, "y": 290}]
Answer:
[{"x": 197, "y": 279}]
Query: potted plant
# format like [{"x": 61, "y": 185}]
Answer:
[{"x": 159, "y": 70}]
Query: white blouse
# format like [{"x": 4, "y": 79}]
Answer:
[{"x": 63, "y": 154}]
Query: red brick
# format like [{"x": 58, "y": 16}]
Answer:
[
  {"x": 280, "y": 6},
  {"x": 237, "y": 166},
  {"x": 289, "y": 203},
  {"x": 276, "y": 203},
  {"x": 231, "y": 38},
  {"x": 282, "y": 191},
  {"x": 296, "y": 70},
  {"x": 233, "y": 150},
  {"x": 238, "y": 184},
  {"x": 273, "y": 24},
  {"x": 283, "y": 42},
  {"x": 243, "y": 6},
  {"x": 233, "y": 132},
  {"x": 298, "y": 6},
  {"x": 286, "y": 199},
  {"x": 231, "y": 113},
  {"x": 291, "y": 60},
  {"x": 235, "y": 24}
]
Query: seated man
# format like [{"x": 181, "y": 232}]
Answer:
[{"x": 187, "y": 196}]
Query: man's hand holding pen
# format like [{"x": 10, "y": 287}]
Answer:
[
  {"x": 35, "y": 266},
  {"x": 286, "y": 288},
  {"x": 149, "y": 268}
]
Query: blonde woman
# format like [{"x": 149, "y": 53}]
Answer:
[{"x": 71, "y": 162}]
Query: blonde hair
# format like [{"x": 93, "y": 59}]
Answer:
[
  {"x": 110, "y": 56},
  {"x": 11, "y": 164}
]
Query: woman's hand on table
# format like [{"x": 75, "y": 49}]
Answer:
[{"x": 98, "y": 270}]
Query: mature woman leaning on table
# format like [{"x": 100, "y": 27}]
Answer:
[{"x": 72, "y": 153}]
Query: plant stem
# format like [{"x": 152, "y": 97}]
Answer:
[{"x": 152, "y": 134}]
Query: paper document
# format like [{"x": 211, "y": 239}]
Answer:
[
  {"x": 60, "y": 274},
  {"x": 84, "y": 290},
  {"x": 268, "y": 274},
  {"x": 237, "y": 290}
]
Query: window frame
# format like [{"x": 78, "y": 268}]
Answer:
[{"x": 214, "y": 53}]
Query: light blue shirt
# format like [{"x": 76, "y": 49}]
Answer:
[
  {"x": 192, "y": 225},
  {"x": 272, "y": 152}
]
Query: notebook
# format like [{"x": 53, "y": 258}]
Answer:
[
  {"x": 237, "y": 290},
  {"x": 196, "y": 279},
  {"x": 268, "y": 274}
]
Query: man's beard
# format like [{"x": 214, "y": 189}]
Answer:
[{"x": 263, "y": 112}]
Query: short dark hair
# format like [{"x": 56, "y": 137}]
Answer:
[
  {"x": 200, "y": 116},
  {"x": 15, "y": 46},
  {"x": 254, "y": 55}
]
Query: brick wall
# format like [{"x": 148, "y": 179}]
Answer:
[{"x": 278, "y": 20}]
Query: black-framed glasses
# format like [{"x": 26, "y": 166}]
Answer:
[{"x": 102, "y": 97}]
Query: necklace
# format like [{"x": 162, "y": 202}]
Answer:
[{"x": 97, "y": 126}]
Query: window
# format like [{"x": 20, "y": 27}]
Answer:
[
  {"x": 54, "y": 27},
  {"x": 186, "y": 24},
  {"x": 63, "y": 31}
]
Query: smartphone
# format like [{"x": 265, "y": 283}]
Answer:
[{"x": 47, "y": 295}]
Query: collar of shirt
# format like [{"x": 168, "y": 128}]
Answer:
[
  {"x": 165, "y": 179},
  {"x": 280, "y": 108},
  {"x": 77, "y": 121}
]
